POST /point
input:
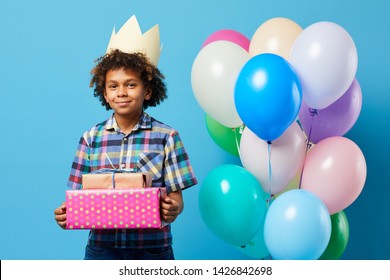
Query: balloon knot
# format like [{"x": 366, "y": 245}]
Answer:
[
  {"x": 270, "y": 199},
  {"x": 313, "y": 112},
  {"x": 269, "y": 142},
  {"x": 308, "y": 144},
  {"x": 242, "y": 126}
]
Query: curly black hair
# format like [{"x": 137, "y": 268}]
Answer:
[{"x": 150, "y": 75}]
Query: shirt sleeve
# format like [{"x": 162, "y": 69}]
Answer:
[
  {"x": 80, "y": 165},
  {"x": 178, "y": 172}
]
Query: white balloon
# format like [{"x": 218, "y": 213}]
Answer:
[
  {"x": 213, "y": 78},
  {"x": 325, "y": 58},
  {"x": 287, "y": 154}
]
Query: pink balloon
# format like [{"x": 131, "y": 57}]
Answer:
[
  {"x": 228, "y": 35},
  {"x": 335, "y": 170}
]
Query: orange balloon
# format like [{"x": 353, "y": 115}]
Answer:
[{"x": 275, "y": 36}]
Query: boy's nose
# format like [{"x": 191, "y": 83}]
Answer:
[{"x": 122, "y": 91}]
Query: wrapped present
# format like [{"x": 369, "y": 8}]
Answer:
[
  {"x": 113, "y": 208},
  {"x": 116, "y": 179}
]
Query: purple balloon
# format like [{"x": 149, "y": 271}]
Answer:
[{"x": 334, "y": 120}]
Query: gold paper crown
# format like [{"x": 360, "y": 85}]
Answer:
[{"x": 130, "y": 39}]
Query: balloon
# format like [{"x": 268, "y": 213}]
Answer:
[
  {"x": 275, "y": 36},
  {"x": 232, "y": 204},
  {"x": 338, "y": 237},
  {"x": 267, "y": 95},
  {"x": 325, "y": 58},
  {"x": 297, "y": 226},
  {"x": 287, "y": 154},
  {"x": 228, "y": 35},
  {"x": 335, "y": 120},
  {"x": 256, "y": 248},
  {"x": 335, "y": 170},
  {"x": 225, "y": 137},
  {"x": 214, "y": 73},
  {"x": 292, "y": 185}
]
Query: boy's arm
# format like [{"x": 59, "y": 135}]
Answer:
[{"x": 171, "y": 206}]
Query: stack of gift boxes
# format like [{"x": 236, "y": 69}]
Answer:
[{"x": 114, "y": 200}]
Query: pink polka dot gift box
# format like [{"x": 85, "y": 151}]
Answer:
[{"x": 113, "y": 208}]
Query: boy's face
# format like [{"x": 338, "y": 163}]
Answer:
[{"x": 125, "y": 92}]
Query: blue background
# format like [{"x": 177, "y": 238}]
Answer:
[{"x": 47, "y": 50}]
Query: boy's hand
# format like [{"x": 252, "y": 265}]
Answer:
[
  {"x": 60, "y": 215},
  {"x": 171, "y": 206}
]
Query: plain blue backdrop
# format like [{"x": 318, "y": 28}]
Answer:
[{"x": 47, "y": 50}]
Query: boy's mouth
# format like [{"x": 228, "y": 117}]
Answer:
[{"x": 122, "y": 103}]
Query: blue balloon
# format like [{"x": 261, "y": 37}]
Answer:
[
  {"x": 297, "y": 226},
  {"x": 267, "y": 95},
  {"x": 232, "y": 204}
]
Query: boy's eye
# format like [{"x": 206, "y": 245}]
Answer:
[
  {"x": 112, "y": 86},
  {"x": 131, "y": 85}
]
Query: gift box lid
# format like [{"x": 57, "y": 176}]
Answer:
[{"x": 116, "y": 180}]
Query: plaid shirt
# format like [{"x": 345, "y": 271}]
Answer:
[{"x": 150, "y": 147}]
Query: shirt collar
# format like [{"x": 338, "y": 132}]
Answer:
[{"x": 145, "y": 122}]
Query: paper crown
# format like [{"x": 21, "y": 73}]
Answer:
[{"x": 130, "y": 39}]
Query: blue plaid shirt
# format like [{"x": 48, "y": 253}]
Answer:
[{"x": 151, "y": 147}]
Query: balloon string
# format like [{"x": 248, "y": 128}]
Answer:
[
  {"x": 313, "y": 112},
  {"x": 270, "y": 195},
  {"x": 236, "y": 138}
]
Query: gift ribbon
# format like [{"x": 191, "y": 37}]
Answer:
[
  {"x": 109, "y": 170},
  {"x": 113, "y": 171}
]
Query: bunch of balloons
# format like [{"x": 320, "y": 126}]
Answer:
[{"x": 282, "y": 102}]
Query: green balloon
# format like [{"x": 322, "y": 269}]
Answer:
[
  {"x": 232, "y": 204},
  {"x": 338, "y": 238},
  {"x": 225, "y": 137}
]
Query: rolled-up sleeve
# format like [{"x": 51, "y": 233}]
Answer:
[{"x": 178, "y": 172}]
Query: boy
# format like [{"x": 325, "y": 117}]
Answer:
[{"x": 128, "y": 83}]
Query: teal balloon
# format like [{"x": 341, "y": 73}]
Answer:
[
  {"x": 297, "y": 226},
  {"x": 338, "y": 238},
  {"x": 232, "y": 204},
  {"x": 256, "y": 248},
  {"x": 267, "y": 95}
]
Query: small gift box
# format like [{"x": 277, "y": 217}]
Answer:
[
  {"x": 116, "y": 179},
  {"x": 111, "y": 209}
]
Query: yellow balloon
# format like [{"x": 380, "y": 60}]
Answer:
[
  {"x": 292, "y": 185},
  {"x": 276, "y": 36}
]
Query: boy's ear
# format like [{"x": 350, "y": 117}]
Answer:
[{"x": 148, "y": 94}]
